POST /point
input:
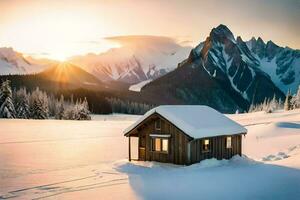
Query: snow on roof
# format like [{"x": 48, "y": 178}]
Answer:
[{"x": 194, "y": 120}]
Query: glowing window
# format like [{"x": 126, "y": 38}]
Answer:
[
  {"x": 157, "y": 144},
  {"x": 228, "y": 142},
  {"x": 206, "y": 145},
  {"x": 165, "y": 145},
  {"x": 160, "y": 145}
]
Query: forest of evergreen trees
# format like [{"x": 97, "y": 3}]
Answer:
[
  {"x": 39, "y": 105},
  {"x": 76, "y": 104},
  {"x": 128, "y": 107},
  {"x": 270, "y": 105}
]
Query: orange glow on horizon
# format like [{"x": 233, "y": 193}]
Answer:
[{"x": 62, "y": 29}]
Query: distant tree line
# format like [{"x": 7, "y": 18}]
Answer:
[
  {"x": 128, "y": 107},
  {"x": 292, "y": 101},
  {"x": 270, "y": 105},
  {"x": 66, "y": 104},
  {"x": 97, "y": 98},
  {"x": 39, "y": 105}
]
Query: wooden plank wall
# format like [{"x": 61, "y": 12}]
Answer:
[
  {"x": 177, "y": 142},
  {"x": 218, "y": 148}
]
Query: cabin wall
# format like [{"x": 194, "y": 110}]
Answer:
[
  {"x": 177, "y": 152},
  {"x": 217, "y": 150}
]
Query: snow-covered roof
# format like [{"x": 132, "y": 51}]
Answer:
[{"x": 194, "y": 120}]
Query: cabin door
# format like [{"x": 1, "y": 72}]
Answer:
[{"x": 142, "y": 148}]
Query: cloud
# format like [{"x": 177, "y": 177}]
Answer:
[
  {"x": 151, "y": 41},
  {"x": 186, "y": 43},
  {"x": 137, "y": 40}
]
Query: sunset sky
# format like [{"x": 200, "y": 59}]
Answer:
[{"x": 63, "y": 28}]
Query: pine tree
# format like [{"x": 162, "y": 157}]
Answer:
[
  {"x": 22, "y": 104},
  {"x": 287, "y": 103},
  {"x": 265, "y": 104},
  {"x": 61, "y": 109},
  {"x": 7, "y": 109},
  {"x": 53, "y": 105},
  {"x": 39, "y": 105},
  {"x": 251, "y": 108},
  {"x": 272, "y": 105},
  {"x": 82, "y": 109},
  {"x": 296, "y": 99}
]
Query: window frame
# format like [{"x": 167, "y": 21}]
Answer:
[
  {"x": 205, "y": 147},
  {"x": 153, "y": 146},
  {"x": 228, "y": 147},
  {"x": 156, "y": 146},
  {"x": 162, "y": 145},
  {"x": 157, "y": 128}
]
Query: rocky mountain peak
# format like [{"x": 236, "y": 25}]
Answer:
[
  {"x": 239, "y": 39},
  {"x": 253, "y": 39},
  {"x": 260, "y": 41},
  {"x": 221, "y": 33},
  {"x": 271, "y": 44}
]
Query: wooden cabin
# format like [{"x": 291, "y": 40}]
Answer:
[{"x": 185, "y": 134}]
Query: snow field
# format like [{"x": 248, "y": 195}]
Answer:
[{"x": 57, "y": 159}]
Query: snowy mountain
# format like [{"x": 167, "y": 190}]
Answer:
[
  {"x": 12, "y": 62},
  {"x": 138, "y": 59},
  {"x": 282, "y": 64},
  {"x": 66, "y": 73},
  {"x": 221, "y": 72}
]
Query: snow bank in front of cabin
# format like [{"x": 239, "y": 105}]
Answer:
[
  {"x": 137, "y": 167},
  {"x": 237, "y": 178}
]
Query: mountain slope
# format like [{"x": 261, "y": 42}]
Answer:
[
  {"x": 67, "y": 73},
  {"x": 12, "y": 62},
  {"x": 282, "y": 64},
  {"x": 221, "y": 73},
  {"x": 62, "y": 76},
  {"x": 138, "y": 59}
]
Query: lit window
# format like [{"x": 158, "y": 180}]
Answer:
[
  {"x": 157, "y": 144},
  {"x": 158, "y": 124},
  {"x": 165, "y": 145},
  {"x": 228, "y": 142},
  {"x": 206, "y": 145},
  {"x": 160, "y": 145}
]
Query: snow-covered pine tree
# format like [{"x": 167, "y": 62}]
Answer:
[
  {"x": 251, "y": 108},
  {"x": 83, "y": 112},
  {"x": 70, "y": 110},
  {"x": 61, "y": 109},
  {"x": 271, "y": 105},
  {"x": 296, "y": 99},
  {"x": 7, "y": 109},
  {"x": 265, "y": 104},
  {"x": 21, "y": 101},
  {"x": 53, "y": 105},
  {"x": 287, "y": 102},
  {"x": 39, "y": 105}
]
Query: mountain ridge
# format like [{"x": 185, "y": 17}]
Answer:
[
  {"x": 221, "y": 63},
  {"x": 138, "y": 59}
]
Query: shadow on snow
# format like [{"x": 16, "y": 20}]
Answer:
[{"x": 238, "y": 178}]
